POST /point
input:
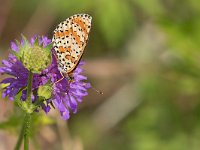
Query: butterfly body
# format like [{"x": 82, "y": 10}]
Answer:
[{"x": 69, "y": 41}]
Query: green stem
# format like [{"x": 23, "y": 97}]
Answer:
[
  {"x": 29, "y": 88},
  {"x": 27, "y": 123},
  {"x": 27, "y": 119}
]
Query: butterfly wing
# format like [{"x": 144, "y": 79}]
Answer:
[{"x": 69, "y": 41}]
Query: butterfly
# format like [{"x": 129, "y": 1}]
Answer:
[{"x": 69, "y": 41}]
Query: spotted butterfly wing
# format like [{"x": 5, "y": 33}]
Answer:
[{"x": 69, "y": 41}]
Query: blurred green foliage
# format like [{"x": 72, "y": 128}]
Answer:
[{"x": 168, "y": 117}]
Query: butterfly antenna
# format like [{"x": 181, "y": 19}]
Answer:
[{"x": 99, "y": 92}]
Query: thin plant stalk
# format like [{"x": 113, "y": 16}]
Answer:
[{"x": 27, "y": 119}]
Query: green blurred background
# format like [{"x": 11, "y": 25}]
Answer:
[{"x": 143, "y": 55}]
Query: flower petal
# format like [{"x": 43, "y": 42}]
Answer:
[
  {"x": 6, "y": 63},
  {"x": 7, "y": 80},
  {"x": 14, "y": 47},
  {"x": 65, "y": 114}
]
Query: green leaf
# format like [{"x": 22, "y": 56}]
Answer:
[
  {"x": 4, "y": 85},
  {"x": 17, "y": 99}
]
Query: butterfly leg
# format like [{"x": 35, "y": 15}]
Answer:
[
  {"x": 60, "y": 72},
  {"x": 59, "y": 79},
  {"x": 55, "y": 57}
]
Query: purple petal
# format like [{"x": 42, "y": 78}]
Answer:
[
  {"x": 73, "y": 104},
  {"x": 65, "y": 114},
  {"x": 78, "y": 87},
  {"x": 4, "y": 94},
  {"x": 79, "y": 98},
  {"x": 23, "y": 97},
  {"x": 11, "y": 98},
  {"x": 12, "y": 58},
  {"x": 7, "y": 80},
  {"x": 81, "y": 63},
  {"x": 44, "y": 40},
  {"x": 46, "y": 108},
  {"x": 78, "y": 71},
  {"x": 22, "y": 42},
  {"x": 14, "y": 47},
  {"x": 80, "y": 77},
  {"x": 59, "y": 105},
  {"x": 5, "y": 70},
  {"x": 79, "y": 93},
  {"x": 33, "y": 39},
  {"x": 88, "y": 85},
  {"x": 6, "y": 63}
]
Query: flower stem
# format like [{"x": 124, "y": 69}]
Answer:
[
  {"x": 27, "y": 123},
  {"x": 27, "y": 118},
  {"x": 29, "y": 88}
]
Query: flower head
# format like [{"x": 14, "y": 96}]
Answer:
[
  {"x": 14, "y": 67},
  {"x": 35, "y": 55},
  {"x": 67, "y": 94},
  {"x": 64, "y": 95}
]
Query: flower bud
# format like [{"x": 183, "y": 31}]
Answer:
[{"x": 45, "y": 91}]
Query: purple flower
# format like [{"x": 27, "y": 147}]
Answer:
[
  {"x": 65, "y": 94},
  {"x": 19, "y": 74}
]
